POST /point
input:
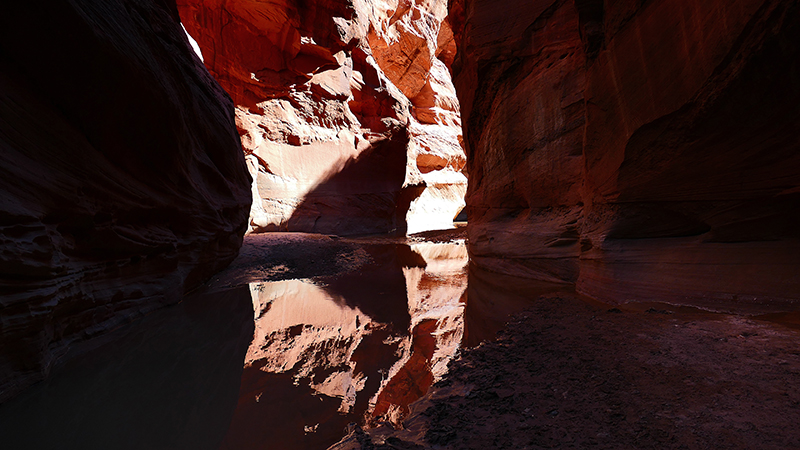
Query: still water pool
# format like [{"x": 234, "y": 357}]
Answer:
[{"x": 302, "y": 335}]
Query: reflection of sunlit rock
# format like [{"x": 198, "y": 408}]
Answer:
[
  {"x": 301, "y": 329},
  {"x": 436, "y": 293},
  {"x": 443, "y": 259},
  {"x": 319, "y": 334},
  {"x": 437, "y": 327}
]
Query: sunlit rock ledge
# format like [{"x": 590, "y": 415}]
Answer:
[{"x": 346, "y": 110}]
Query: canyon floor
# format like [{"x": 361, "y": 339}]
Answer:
[{"x": 570, "y": 373}]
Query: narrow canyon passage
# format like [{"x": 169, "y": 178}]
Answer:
[{"x": 400, "y": 224}]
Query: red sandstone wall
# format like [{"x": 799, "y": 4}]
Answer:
[
  {"x": 346, "y": 110},
  {"x": 645, "y": 151},
  {"x": 122, "y": 179}
]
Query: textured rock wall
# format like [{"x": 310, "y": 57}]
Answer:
[
  {"x": 346, "y": 110},
  {"x": 643, "y": 150},
  {"x": 123, "y": 184}
]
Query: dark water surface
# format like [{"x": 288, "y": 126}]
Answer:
[{"x": 279, "y": 364}]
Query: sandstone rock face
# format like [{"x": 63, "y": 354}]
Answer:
[
  {"x": 346, "y": 109},
  {"x": 643, "y": 150},
  {"x": 122, "y": 179}
]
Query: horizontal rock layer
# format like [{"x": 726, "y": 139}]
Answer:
[
  {"x": 346, "y": 109},
  {"x": 643, "y": 150},
  {"x": 123, "y": 183}
]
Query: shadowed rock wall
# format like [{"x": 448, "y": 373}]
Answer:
[
  {"x": 321, "y": 87},
  {"x": 123, "y": 183},
  {"x": 643, "y": 150}
]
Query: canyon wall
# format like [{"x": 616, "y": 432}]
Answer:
[
  {"x": 122, "y": 178},
  {"x": 346, "y": 110},
  {"x": 645, "y": 151}
]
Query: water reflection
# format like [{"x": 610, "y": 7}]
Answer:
[
  {"x": 283, "y": 364},
  {"x": 494, "y": 297},
  {"x": 359, "y": 346},
  {"x": 168, "y": 381}
]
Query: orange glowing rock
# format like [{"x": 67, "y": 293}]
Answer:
[{"x": 349, "y": 119}]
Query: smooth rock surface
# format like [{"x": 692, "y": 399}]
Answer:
[
  {"x": 347, "y": 114},
  {"x": 643, "y": 150},
  {"x": 123, "y": 184}
]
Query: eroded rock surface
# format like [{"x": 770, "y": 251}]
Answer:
[
  {"x": 346, "y": 108},
  {"x": 123, "y": 184},
  {"x": 643, "y": 150}
]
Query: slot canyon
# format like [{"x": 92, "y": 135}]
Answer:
[{"x": 400, "y": 224}]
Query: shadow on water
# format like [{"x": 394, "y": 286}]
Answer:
[
  {"x": 494, "y": 297},
  {"x": 378, "y": 289},
  {"x": 170, "y": 380},
  {"x": 281, "y": 364}
]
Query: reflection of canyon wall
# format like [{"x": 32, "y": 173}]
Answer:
[
  {"x": 369, "y": 342},
  {"x": 121, "y": 180},
  {"x": 345, "y": 107},
  {"x": 645, "y": 150},
  {"x": 436, "y": 306},
  {"x": 302, "y": 330}
]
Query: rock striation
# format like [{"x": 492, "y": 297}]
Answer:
[
  {"x": 123, "y": 183},
  {"x": 346, "y": 110},
  {"x": 642, "y": 150}
]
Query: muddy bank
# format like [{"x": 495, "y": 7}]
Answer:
[{"x": 570, "y": 374}]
